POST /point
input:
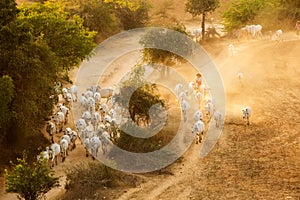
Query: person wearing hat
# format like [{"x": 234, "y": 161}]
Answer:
[{"x": 297, "y": 26}]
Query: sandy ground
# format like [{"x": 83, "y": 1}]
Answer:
[{"x": 260, "y": 161}]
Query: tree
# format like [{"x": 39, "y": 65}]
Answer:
[
  {"x": 8, "y": 11},
  {"x": 97, "y": 15},
  {"x": 31, "y": 182},
  {"x": 62, "y": 32},
  {"x": 241, "y": 12},
  {"x": 162, "y": 11},
  {"x": 166, "y": 46},
  {"x": 138, "y": 97},
  {"x": 40, "y": 43},
  {"x": 290, "y": 9},
  {"x": 142, "y": 96},
  {"x": 201, "y": 7},
  {"x": 7, "y": 93},
  {"x": 132, "y": 13}
]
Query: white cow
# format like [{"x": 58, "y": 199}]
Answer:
[
  {"x": 105, "y": 139},
  {"x": 54, "y": 153},
  {"x": 95, "y": 145},
  {"x": 197, "y": 34},
  {"x": 185, "y": 107},
  {"x": 103, "y": 109},
  {"x": 65, "y": 110},
  {"x": 87, "y": 145},
  {"x": 97, "y": 97},
  {"x": 64, "y": 92},
  {"x": 88, "y": 132},
  {"x": 66, "y": 137},
  {"x": 199, "y": 99},
  {"x": 80, "y": 126},
  {"x": 91, "y": 104},
  {"x": 68, "y": 131},
  {"x": 179, "y": 88},
  {"x": 182, "y": 96},
  {"x": 198, "y": 129},
  {"x": 192, "y": 87},
  {"x": 44, "y": 155},
  {"x": 231, "y": 49},
  {"x": 278, "y": 35},
  {"x": 88, "y": 94},
  {"x": 64, "y": 145},
  {"x": 73, "y": 137},
  {"x": 209, "y": 108},
  {"x": 59, "y": 120},
  {"x": 73, "y": 91},
  {"x": 247, "y": 114},
  {"x": 106, "y": 119},
  {"x": 51, "y": 129},
  {"x": 255, "y": 30},
  {"x": 87, "y": 116},
  {"x": 83, "y": 101},
  {"x": 218, "y": 119},
  {"x": 69, "y": 99},
  {"x": 198, "y": 115},
  {"x": 240, "y": 76},
  {"x": 96, "y": 118}
]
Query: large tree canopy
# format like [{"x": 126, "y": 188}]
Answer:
[
  {"x": 8, "y": 11},
  {"x": 40, "y": 42},
  {"x": 166, "y": 46},
  {"x": 97, "y": 15},
  {"x": 63, "y": 33}
]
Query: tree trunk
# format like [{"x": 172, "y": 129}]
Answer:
[{"x": 203, "y": 26}]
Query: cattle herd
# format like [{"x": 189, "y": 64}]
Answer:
[
  {"x": 101, "y": 117},
  {"x": 199, "y": 94},
  {"x": 96, "y": 127}
]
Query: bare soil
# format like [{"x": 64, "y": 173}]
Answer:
[{"x": 260, "y": 161}]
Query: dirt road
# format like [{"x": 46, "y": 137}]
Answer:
[{"x": 260, "y": 161}]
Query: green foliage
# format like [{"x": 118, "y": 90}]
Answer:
[
  {"x": 141, "y": 96},
  {"x": 91, "y": 177},
  {"x": 132, "y": 13},
  {"x": 199, "y": 7},
  {"x": 169, "y": 39},
  {"x": 290, "y": 9},
  {"x": 7, "y": 93},
  {"x": 8, "y": 11},
  {"x": 97, "y": 15},
  {"x": 63, "y": 33},
  {"x": 138, "y": 96},
  {"x": 41, "y": 43},
  {"x": 30, "y": 181},
  {"x": 270, "y": 13},
  {"x": 241, "y": 12}
]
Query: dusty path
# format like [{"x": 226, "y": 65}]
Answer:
[
  {"x": 193, "y": 177},
  {"x": 185, "y": 184}
]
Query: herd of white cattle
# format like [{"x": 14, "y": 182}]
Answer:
[
  {"x": 254, "y": 31},
  {"x": 96, "y": 127},
  {"x": 101, "y": 118},
  {"x": 200, "y": 95}
]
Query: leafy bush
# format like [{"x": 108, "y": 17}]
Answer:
[
  {"x": 31, "y": 182},
  {"x": 241, "y": 12},
  {"x": 132, "y": 14}
]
